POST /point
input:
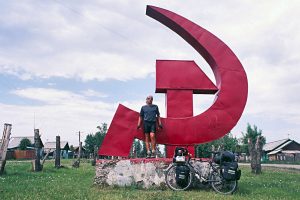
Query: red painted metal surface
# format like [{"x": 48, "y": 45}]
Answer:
[
  {"x": 182, "y": 75},
  {"x": 179, "y": 103},
  {"x": 180, "y": 79},
  {"x": 212, "y": 124}
]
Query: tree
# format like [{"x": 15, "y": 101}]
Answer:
[
  {"x": 90, "y": 142},
  {"x": 251, "y": 134},
  {"x": 159, "y": 152},
  {"x": 25, "y": 143},
  {"x": 136, "y": 150},
  {"x": 96, "y": 139},
  {"x": 144, "y": 150},
  {"x": 254, "y": 141},
  {"x": 72, "y": 148},
  {"x": 100, "y": 134},
  {"x": 228, "y": 142}
]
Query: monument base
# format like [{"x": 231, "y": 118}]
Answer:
[{"x": 140, "y": 172}]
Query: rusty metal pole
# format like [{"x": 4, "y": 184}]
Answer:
[
  {"x": 37, "y": 146},
  {"x": 57, "y": 152}
]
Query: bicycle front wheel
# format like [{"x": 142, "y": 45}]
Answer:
[
  {"x": 174, "y": 184},
  {"x": 220, "y": 185}
]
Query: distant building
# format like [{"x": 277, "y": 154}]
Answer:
[
  {"x": 13, "y": 151},
  {"x": 51, "y": 146},
  {"x": 83, "y": 152},
  {"x": 14, "y": 142},
  {"x": 282, "y": 150}
]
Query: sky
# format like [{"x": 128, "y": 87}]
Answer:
[{"x": 65, "y": 65}]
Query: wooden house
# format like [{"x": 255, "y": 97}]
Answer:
[
  {"x": 51, "y": 146},
  {"x": 13, "y": 149},
  {"x": 282, "y": 150}
]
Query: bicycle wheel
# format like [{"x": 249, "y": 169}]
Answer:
[
  {"x": 220, "y": 185},
  {"x": 170, "y": 179}
]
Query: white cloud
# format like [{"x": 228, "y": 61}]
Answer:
[
  {"x": 93, "y": 93},
  {"x": 59, "y": 112},
  {"x": 104, "y": 40}
]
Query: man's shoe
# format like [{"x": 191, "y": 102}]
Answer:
[
  {"x": 148, "y": 154},
  {"x": 153, "y": 155}
]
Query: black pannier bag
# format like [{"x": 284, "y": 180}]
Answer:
[
  {"x": 180, "y": 151},
  {"x": 217, "y": 158},
  {"x": 227, "y": 156},
  {"x": 230, "y": 171},
  {"x": 238, "y": 175},
  {"x": 182, "y": 175}
]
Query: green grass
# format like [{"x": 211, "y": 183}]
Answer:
[{"x": 69, "y": 183}]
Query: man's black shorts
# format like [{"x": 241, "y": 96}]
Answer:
[{"x": 149, "y": 127}]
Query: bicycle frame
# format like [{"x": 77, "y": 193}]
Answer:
[
  {"x": 213, "y": 167},
  {"x": 214, "y": 176}
]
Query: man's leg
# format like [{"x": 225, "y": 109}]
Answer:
[
  {"x": 147, "y": 141},
  {"x": 153, "y": 142}
]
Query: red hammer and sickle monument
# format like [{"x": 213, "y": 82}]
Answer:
[{"x": 180, "y": 80}]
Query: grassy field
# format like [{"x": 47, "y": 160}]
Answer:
[{"x": 69, "y": 183}]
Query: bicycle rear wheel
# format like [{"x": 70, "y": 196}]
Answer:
[
  {"x": 171, "y": 182},
  {"x": 220, "y": 185}
]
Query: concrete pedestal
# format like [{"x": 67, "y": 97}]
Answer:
[{"x": 144, "y": 173}]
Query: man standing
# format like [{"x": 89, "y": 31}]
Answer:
[{"x": 149, "y": 114}]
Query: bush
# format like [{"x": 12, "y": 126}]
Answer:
[{"x": 25, "y": 143}]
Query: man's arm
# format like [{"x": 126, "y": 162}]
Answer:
[
  {"x": 158, "y": 118},
  {"x": 140, "y": 118},
  {"x": 139, "y": 122},
  {"x": 159, "y": 122}
]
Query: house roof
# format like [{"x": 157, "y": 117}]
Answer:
[
  {"x": 52, "y": 145},
  {"x": 274, "y": 152},
  {"x": 279, "y": 146},
  {"x": 274, "y": 145},
  {"x": 76, "y": 148},
  {"x": 14, "y": 142},
  {"x": 285, "y": 144},
  {"x": 284, "y": 151}
]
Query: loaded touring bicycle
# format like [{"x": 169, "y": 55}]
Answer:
[{"x": 223, "y": 172}]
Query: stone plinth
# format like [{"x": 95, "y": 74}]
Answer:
[{"x": 140, "y": 172}]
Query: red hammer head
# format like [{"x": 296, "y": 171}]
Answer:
[{"x": 182, "y": 75}]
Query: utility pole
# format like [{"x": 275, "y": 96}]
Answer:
[
  {"x": 77, "y": 162},
  {"x": 57, "y": 152},
  {"x": 79, "y": 151},
  {"x": 3, "y": 146},
  {"x": 38, "y": 146}
]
